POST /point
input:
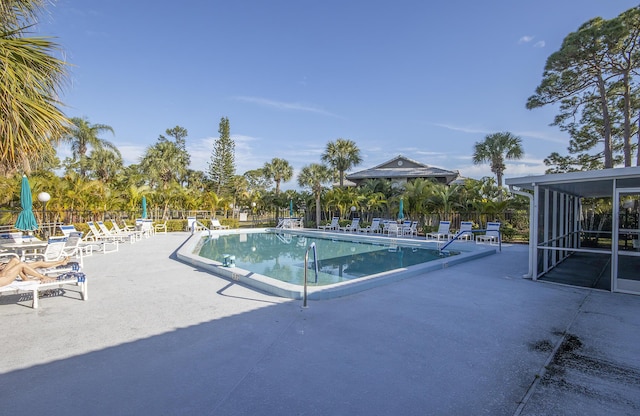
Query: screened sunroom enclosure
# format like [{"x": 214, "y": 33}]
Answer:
[{"x": 585, "y": 227}]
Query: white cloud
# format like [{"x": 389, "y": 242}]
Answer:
[
  {"x": 539, "y": 44},
  {"x": 526, "y": 39},
  {"x": 472, "y": 130},
  {"x": 281, "y": 105}
]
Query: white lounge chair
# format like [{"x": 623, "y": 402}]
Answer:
[
  {"x": 112, "y": 233},
  {"x": 335, "y": 224},
  {"x": 373, "y": 228},
  {"x": 443, "y": 231},
  {"x": 88, "y": 246},
  {"x": 34, "y": 287},
  {"x": 351, "y": 227},
  {"x": 464, "y": 233},
  {"x": 492, "y": 235},
  {"x": 52, "y": 252},
  {"x": 215, "y": 225}
]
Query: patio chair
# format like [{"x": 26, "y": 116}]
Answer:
[
  {"x": 492, "y": 235},
  {"x": 392, "y": 227},
  {"x": 373, "y": 228},
  {"x": 215, "y": 225},
  {"x": 443, "y": 231},
  {"x": 410, "y": 228},
  {"x": 160, "y": 228},
  {"x": 334, "y": 225},
  {"x": 351, "y": 227}
]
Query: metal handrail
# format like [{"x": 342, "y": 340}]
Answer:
[{"x": 306, "y": 266}]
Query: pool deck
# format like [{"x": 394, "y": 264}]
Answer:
[{"x": 158, "y": 336}]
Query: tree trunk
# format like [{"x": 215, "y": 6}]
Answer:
[
  {"x": 606, "y": 121},
  {"x": 627, "y": 120}
]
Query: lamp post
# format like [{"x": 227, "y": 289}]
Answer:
[
  {"x": 253, "y": 209},
  {"x": 44, "y": 198},
  {"x": 353, "y": 211}
]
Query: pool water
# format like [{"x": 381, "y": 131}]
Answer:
[{"x": 281, "y": 256}]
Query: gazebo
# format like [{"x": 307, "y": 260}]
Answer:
[{"x": 585, "y": 227}]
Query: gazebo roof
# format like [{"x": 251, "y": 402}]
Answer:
[{"x": 402, "y": 167}]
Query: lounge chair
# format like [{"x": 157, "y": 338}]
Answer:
[
  {"x": 373, "y": 228},
  {"x": 112, "y": 233},
  {"x": 52, "y": 252},
  {"x": 464, "y": 233},
  {"x": 492, "y": 235},
  {"x": 215, "y": 225},
  {"x": 351, "y": 227},
  {"x": 88, "y": 246},
  {"x": 443, "y": 231},
  {"x": 137, "y": 235},
  {"x": 334, "y": 225},
  {"x": 34, "y": 287}
]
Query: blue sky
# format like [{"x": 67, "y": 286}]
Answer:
[{"x": 423, "y": 79}]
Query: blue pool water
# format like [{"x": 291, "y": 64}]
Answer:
[{"x": 281, "y": 256}]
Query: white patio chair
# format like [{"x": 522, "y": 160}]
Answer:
[
  {"x": 160, "y": 228},
  {"x": 392, "y": 227}
]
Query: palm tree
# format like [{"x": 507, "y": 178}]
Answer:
[
  {"x": 342, "y": 155},
  {"x": 163, "y": 162},
  {"x": 315, "y": 176},
  {"x": 415, "y": 195},
  {"x": 105, "y": 164},
  {"x": 30, "y": 120},
  {"x": 84, "y": 135},
  {"x": 278, "y": 170},
  {"x": 495, "y": 149}
]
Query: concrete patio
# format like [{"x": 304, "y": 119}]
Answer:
[{"x": 160, "y": 337}]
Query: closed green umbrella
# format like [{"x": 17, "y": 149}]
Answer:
[
  {"x": 291, "y": 208},
  {"x": 26, "y": 219},
  {"x": 401, "y": 210},
  {"x": 144, "y": 207}
]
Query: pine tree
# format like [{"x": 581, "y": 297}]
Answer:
[{"x": 222, "y": 166}]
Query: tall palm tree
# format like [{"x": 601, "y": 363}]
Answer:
[
  {"x": 278, "y": 170},
  {"x": 83, "y": 135},
  {"x": 315, "y": 176},
  {"x": 495, "y": 149},
  {"x": 31, "y": 121},
  {"x": 342, "y": 155}
]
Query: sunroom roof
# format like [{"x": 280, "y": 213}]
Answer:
[{"x": 593, "y": 183}]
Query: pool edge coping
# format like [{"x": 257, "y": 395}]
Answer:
[{"x": 287, "y": 290}]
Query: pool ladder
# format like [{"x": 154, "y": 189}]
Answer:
[{"x": 306, "y": 268}]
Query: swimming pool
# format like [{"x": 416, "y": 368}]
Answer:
[{"x": 347, "y": 263}]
